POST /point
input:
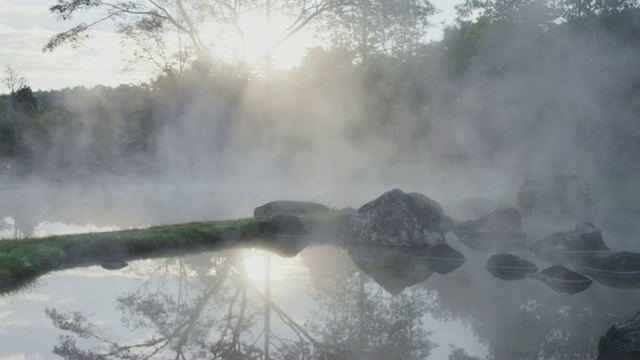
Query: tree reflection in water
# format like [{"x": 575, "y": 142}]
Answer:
[{"x": 205, "y": 307}]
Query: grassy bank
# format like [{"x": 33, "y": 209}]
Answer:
[{"x": 26, "y": 259}]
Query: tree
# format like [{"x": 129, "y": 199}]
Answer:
[
  {"x": 537, "y": 12},
  {"x": 13, "y": 79},
  {"x": 573, "y": 10},
  {"x": 372, "y": 27},
  {"x": 171, "y": 33}
]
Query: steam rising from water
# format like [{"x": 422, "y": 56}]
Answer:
[{"x": 328, "y": 133}]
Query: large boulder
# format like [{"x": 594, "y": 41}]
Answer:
[
  {"x": 576, "y": 247},
  {"x": 501, "y": 224},
  {"x": 618, "y": 270},
  {"x": 621, "y": 341},
  {"x": 397, "y": 218},
  {"x": 565, "y": 194}
]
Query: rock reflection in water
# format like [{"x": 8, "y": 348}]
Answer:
[
  {"x": 563, "y": 280},
  {"x": 211, "y": 305},
  {"x": 397, "y": 268}
]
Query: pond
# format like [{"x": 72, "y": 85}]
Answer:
[
  {"x": 329, "y": 301},
  {"x": 319, "y": 304}
]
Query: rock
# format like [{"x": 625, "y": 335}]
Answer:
[
  {"x": 441, "y": 258},
  {"x": 502, "y": 224},
  {"x": 113, "y": 264},
  {"x": 621, "y": 341},
  {"x": 289, "y": 207},
  {"x": 618, "y": 270},
  {"x": 510, "y": 267},
  {"x": 286, "y": 226},
  {"x": 399, "y": 219},
  {"x": 563, "y": 280},
  {"x": 576, "y": 247},
  {"x": 565, "y": 194}
]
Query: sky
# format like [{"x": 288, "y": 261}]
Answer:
[{"x": 27, "y": 25}]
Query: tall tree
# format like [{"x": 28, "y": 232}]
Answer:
[
  {"x": 371, "y": 27},
  {"x": 170, "y": 33}
]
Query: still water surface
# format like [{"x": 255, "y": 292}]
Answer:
[{"x": 320, "y": 304}]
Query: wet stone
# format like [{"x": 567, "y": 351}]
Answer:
[
  {"x": 563, "y": 280},
  {"x": 577, "y": 247},
  {"x": 441, "y": 258},
  {"x": 113, "y": 264},
  {"x": 510, "y": 267},
  {"x": 618, "y": 270},
  {"x": 621, "y": 341},
  {"x": 397, "y": 218},
  {"x": 502, "y": 224}
]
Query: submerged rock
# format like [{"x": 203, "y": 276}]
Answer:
[
  {"x": 441, "y": 258},
  {"x": 576, "y": 247},
  {"x": 621, "y": 341},
  {"x": 113, "y": 264},
  {"x": 399, "y": 219},
  {"x": 510, "y": 267},
  {"x": 563, "y": 280},
  {"x": 281, "y": 207},
  {"x": 618, "y": 270},
  {"x": 565, "y": 194}
]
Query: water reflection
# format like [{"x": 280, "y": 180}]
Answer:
[
  {"x": 339, "y": 303},
  {"x": 207, "y": 307}
]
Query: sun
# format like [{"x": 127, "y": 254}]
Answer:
[
  {"x": 251, "y": 40},
  {"x": 256, "y": 261}
]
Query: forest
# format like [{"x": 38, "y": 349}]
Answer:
[{"x": 517, "y": 86}]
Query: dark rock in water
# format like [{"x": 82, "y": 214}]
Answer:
[
  {"x": 565, "y": 194},
  {"x": 289, "y": 207},
  {"x": 286, "y": 226},
  {"x": 563, "y": 280},
  {"x": 618, "y": 270},
  {"x": 391, "y": 267},
  {"x": 510, "y": 267},
  {"x": 576, "y": 247},
  {"x": 399, "y": 219},
  {"x": 621, "y": 341},
  {"x": 500, "y": 230},
  {"x": 441, "y": 258},
  {"x": 113, "y": 264},
  {"x": 503, "y": 224}
]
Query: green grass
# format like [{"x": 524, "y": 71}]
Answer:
[{"x": 26, "y": 259}]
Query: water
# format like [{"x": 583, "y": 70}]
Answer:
[
  {"x": 327, "y": 302},
  {"x": 321, "y": 304}
]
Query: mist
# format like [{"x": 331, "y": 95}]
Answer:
[{"x": 210, "y": 144}]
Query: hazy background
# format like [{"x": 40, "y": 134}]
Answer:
[{"x": 506, "y": 94}]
